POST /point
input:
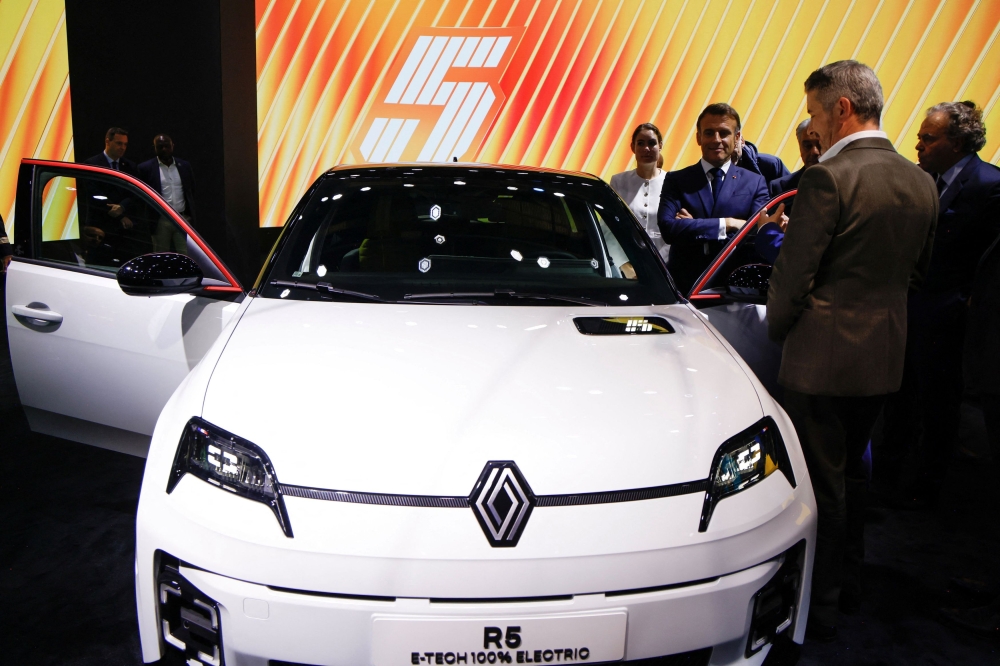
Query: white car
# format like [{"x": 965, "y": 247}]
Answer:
[{"x": 462, "y": 418}]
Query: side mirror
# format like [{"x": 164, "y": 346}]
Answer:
[
  {"x": 749, "y": 283},
  {"x": 159, "y": 274}
]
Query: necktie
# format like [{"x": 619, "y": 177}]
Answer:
[
  {"x": 941, "y": 185},
  {"x": 718, "y": 178},
  {"x": 114, "y": 165}
]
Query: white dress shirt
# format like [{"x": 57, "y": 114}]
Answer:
[
  {"x": 708, "y": 166},
  {"x": 643, "y": 198},
  {"x": 171, "y": 186},
  {"x": 839, "y": 146}
]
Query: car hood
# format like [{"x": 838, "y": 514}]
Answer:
[{"x": 416, "y": 399}]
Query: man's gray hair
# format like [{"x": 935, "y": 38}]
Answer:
[
  {"x": 802, "y": 128},
  {"x": 965, "y": 124},
  {"x": 850, "y": 79}
]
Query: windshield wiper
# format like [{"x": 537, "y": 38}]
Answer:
[
  {"x": 499, "y": 293},
  {"x": 328, "y": 288}
]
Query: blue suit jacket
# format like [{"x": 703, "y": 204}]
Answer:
[
  {"x": 785, "y": 183},
  {"x": 769, "y": 166},
  {"x": 968, "y": 223},
  {"x": 695, "y": 242},
  {"x": 149, "y": 173}
]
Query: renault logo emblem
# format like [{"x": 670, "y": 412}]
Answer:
[{"x": 502, "y": 502}]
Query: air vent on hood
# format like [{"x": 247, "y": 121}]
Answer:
[{"x": 623, "y": 325}]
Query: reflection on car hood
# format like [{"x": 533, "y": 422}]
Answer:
[{"x": 415, "y": 399}]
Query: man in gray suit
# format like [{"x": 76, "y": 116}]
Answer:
[{"x": 860, "y": 235}]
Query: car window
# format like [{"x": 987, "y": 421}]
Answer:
[
  {"x": 401, "y": 232},
  {"x": 96, "y": 223}
]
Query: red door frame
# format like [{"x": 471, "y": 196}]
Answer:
[
  {"x": 696, "y": 294},
  {"x": 234, "y": 284}
]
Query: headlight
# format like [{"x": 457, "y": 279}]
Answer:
[
  {"x": 230, "y": 463},
  {"x": 743, "y": 460}
]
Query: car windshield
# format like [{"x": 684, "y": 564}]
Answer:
[{"x": 480, "y": 235}]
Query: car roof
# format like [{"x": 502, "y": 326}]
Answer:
[{"x": 459, "y": 165}]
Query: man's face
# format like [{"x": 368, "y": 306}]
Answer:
[
  {"x": 92, "y": 237},
  {"x": 164, "y": 147},
  {"x": 936, "y": 153},
  {"x": 115, "y": 146},
  {"x": 717, "y": 138},
  {"x": 646, "y": 147},
  {"x": 809, "y": 149},
  {"x": 821, "y": 121}
]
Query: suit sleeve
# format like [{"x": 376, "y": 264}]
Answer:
[
  {"x": 809, "y": 233},
  {"x": 768, "y": 242},
  {"x": 760, "y": 197},
  {"x": 676, "y": 229}
]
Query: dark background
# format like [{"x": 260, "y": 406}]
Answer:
[{"x": 186, "y": 68}]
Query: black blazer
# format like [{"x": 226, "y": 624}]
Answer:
[
  {"x": 968, "y": 223},
  {"x": 694, "y": 243},
  {"x": 785, "y": 183},
  {"x": 124, "y": 164},
  {"x": 149, "y": 173}
]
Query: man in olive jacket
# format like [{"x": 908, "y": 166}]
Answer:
[{"x": 860, "y": 235}]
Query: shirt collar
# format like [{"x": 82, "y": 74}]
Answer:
[
  {"x": 708, "y": 166},
  {"x": 840, "y": 145},
  {"x": 162, "y": 164},
  {"x": 951, "y": 174},
  {"x": 108, "y": 158}
]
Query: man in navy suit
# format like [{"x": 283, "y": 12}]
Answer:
[
  {"x": 113, "y": 157},
  {"x": 705, "y": 202},
  {"x": 173, "y": 179},
  {"x": 809, "y": 151},
  {"x": 929, "y": 401},
  {"x": 116, "y": 220}
]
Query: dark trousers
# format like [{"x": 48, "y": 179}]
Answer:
[
  {"x": 834, "y": 433},
  {"x": 923, "y": 416}
]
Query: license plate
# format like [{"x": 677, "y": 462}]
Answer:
[{"x": 445, "y": 641}]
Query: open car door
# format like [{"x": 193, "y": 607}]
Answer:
[
  {"x": 732, "y": 292},
  {"x": 91, "y": 363}
]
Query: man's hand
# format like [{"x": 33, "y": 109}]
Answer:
[
  {"x": 126, "y": 223},
  {"x": 115, "y": 211},
  {"x": 778, "y": 217},
  {"x": 682, "y": 214},
  {"x": 4, "y": 263},
  {"x": 733, "y": 225}
]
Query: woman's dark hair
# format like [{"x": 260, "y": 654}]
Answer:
[{"x": 647, "y": 126}]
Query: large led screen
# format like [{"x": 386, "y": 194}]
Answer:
[
  {"x": 35, "y": 118},
  {"x": 562, "y": 83}
]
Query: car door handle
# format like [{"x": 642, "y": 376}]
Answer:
[{"x": 47, "y": 316}]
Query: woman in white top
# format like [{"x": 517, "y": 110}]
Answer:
[{"x": 640, "y": 187}]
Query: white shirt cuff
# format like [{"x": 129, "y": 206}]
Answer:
[{"x": 722, "y": 228}]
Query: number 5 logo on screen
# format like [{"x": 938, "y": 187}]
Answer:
[{"x": 440, "y": 96}]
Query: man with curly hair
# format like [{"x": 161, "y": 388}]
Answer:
[{"x": 923, "y": 417}]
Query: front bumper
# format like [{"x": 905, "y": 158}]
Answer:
[{"x": 704, "y": 622}]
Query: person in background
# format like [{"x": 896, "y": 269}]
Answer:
[
  {"x": 113, "y": 157},
  {"x": 929, "y": 401},
  {"x": 859, "y": 237},
  {"x": 748, "y": 156},
  {"x": 640, "y": 187},
  {"x": 771, "y": 228},
  {"x": 809, "y": 151},
  {"x": 6, "y": 251},
  {"x": 983, "y": 372},
  {"x": 173, "y": 179},
  {"x": 703, "y": 203}
]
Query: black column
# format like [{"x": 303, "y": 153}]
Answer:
[{"x": 185, "y": 68}]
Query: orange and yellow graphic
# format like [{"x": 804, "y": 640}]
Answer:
[
  {"x": 437, "y": 103},
  {"x": 352, "y": 81},
  {"x": 35, "y": 112}
]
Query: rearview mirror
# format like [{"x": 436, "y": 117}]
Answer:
[
  {"x": 159, "y": 274},
  {"x": 749, "y": 283}
]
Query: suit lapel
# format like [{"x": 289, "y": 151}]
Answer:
[
  {"x": 957, "y": 184},
  {"x": 704, "y": 192}
]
